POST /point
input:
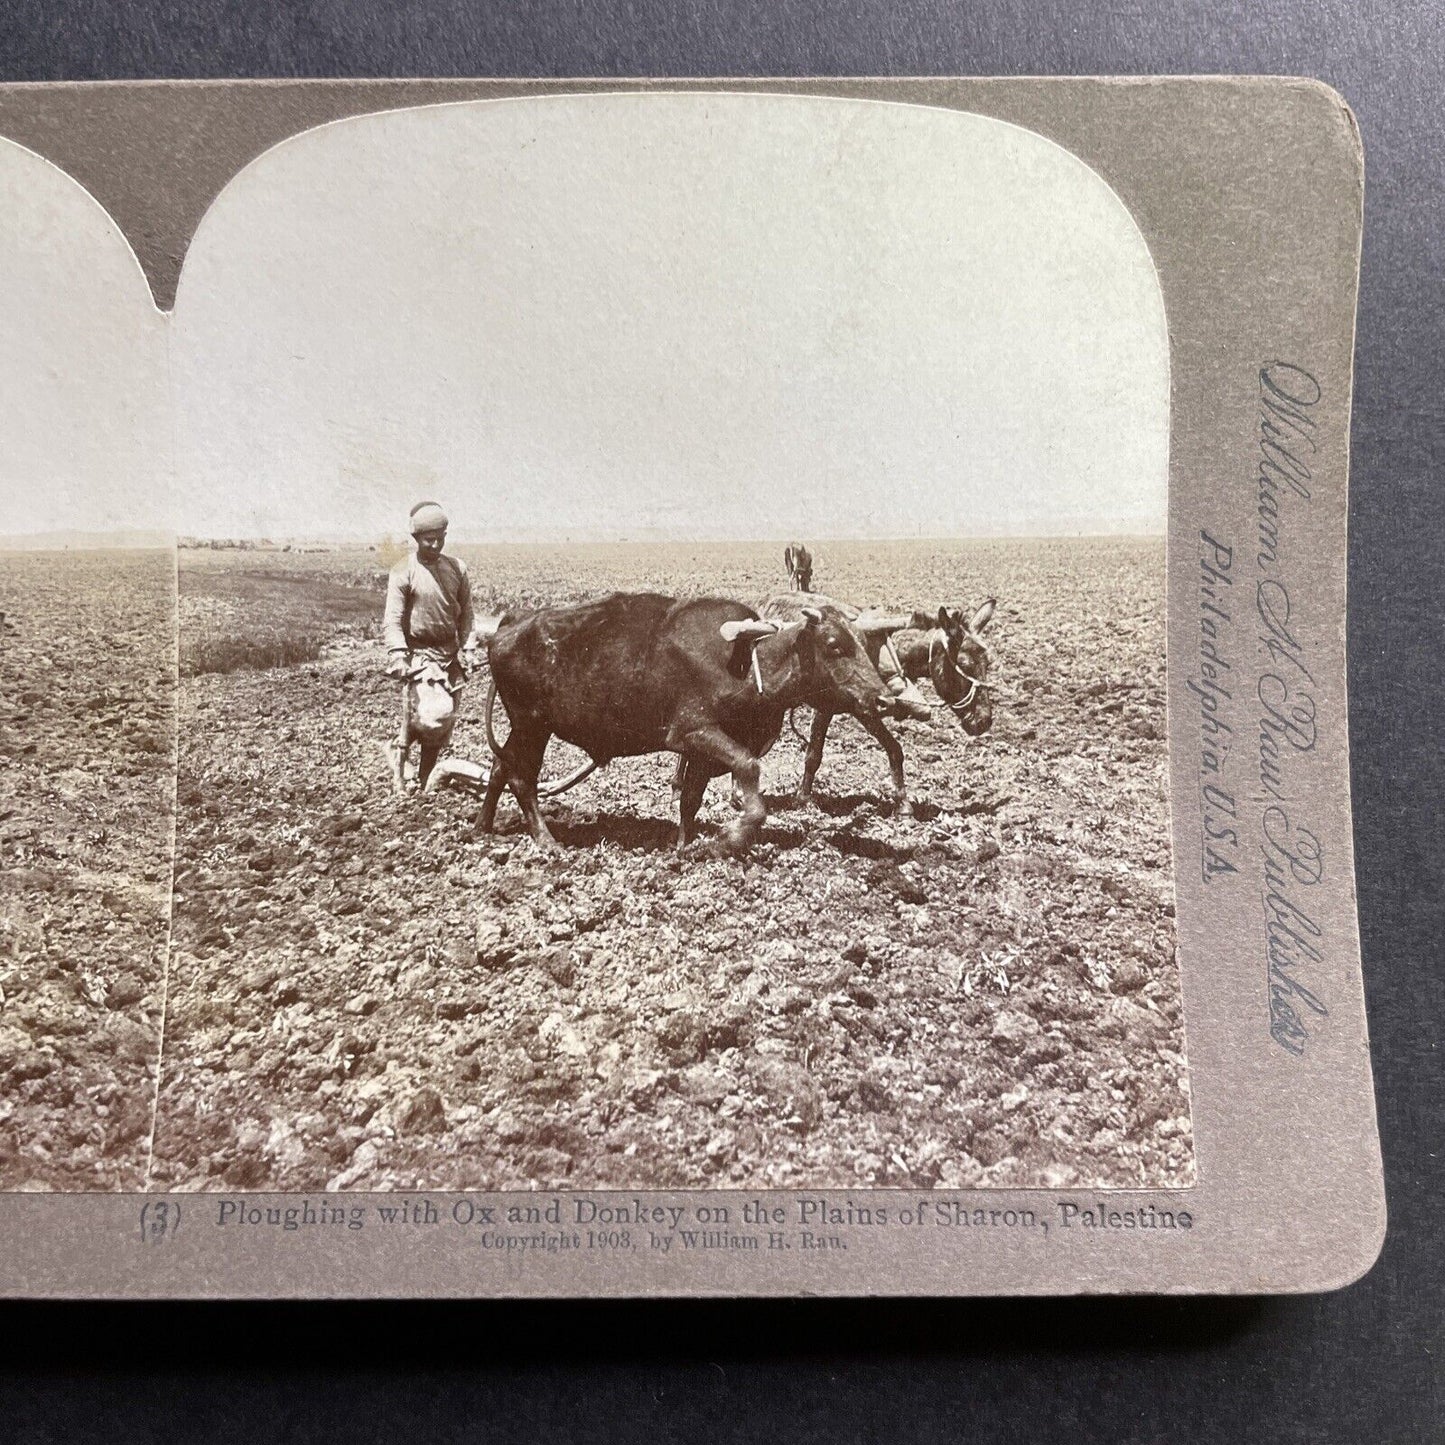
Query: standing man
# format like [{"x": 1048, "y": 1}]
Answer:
[{"x": 427, "y": 624}]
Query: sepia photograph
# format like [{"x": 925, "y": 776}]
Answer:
[
  {"x": 671, "y": 660},
  {"x": 87, "y": 690},
  {"x": 677, "y": 688}
]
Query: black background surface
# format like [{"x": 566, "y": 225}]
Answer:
[{"x": 1360, "y": 1365}]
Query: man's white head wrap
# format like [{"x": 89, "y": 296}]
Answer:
[{"x": 427, "y": 517}]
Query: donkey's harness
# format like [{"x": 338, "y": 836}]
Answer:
[{"x": 975, "y": 684}]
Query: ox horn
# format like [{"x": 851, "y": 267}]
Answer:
[
  {"x": 750, "y": 629},
  {"x": 982, "y": 616},
  {"x": 812, "y": 616}
]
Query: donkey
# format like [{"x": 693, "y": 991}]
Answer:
[
  {"x": 944, "y": 650},
  {"x": 950, "y": 653}
]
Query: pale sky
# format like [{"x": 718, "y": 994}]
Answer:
[
  {"x": 681, "y": 315},
  {"x": 84, "y": 434},
  {"x": 580, "y": 317}
]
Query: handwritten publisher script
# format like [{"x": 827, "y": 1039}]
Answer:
[
  {"x": 1213, "y": 689},
  {"x": 1293, "y": 861}
]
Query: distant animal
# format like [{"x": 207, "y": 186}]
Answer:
[
  {"x": 428, "y": 716},
  {"x": 637, "y": 673},
  {"x": 799, "y": 562},
  {"x": 944, "y": 650}
]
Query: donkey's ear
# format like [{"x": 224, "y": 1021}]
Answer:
[
  {"x": 982, "y": 617},
  {"x": 943, "y": 618}
]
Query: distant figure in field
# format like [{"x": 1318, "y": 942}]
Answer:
[
  {"x": 427, "y": 624},
  {"x": 799, "y": 562}
]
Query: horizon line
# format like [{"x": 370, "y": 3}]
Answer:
[{"x": 146, "y": 538}]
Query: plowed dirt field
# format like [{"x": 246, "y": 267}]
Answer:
[
  {"x": 87, "y": 695},
  {"x": 367, "y": 994}
]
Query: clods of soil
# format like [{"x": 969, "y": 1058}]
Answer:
[{"x": 367, "y": 993}]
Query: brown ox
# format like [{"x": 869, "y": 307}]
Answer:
[
  {"x": 871, "y": 633},
  {"x": 638, "y": 673}
]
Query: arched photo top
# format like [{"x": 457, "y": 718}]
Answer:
[
  {"x": 82, "y": 353},
  {"x": 672, "y": 315}
]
